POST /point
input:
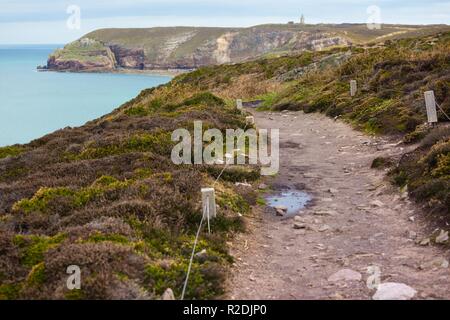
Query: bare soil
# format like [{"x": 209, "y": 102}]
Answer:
[{"x": 364, "y": 221}]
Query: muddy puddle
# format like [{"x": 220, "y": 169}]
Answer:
[{"x": 293, "y": 200}]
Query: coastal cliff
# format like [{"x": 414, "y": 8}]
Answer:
[{"x": 192, "y": 47}]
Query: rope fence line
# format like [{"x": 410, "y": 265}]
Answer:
[
  {"x": 207, "y": 214},
  {"x": 226, "y": 162},
  {"x": 206, "y": 209},
  {"x": 192, "y": 258},
  {"x": 442, "y": 110}
]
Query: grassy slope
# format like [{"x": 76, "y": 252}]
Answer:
[
  {"x": 107, "y": 197},
  {"x": 93, "y": 53}
]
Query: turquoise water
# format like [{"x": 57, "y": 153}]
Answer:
[{"x": 33, "y": 103}]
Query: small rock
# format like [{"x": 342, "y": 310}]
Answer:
[
  {"x": 299, "y": 225},
  {"x": 324, "y": 213},
  {"x": 243, "y": 184},
  {"x": 279, "y": 213},
  {"x": 281, "y": 208},
  {"x": 263, "y": 186},
  {"x": 202, "y": 255},
  {"x": 377, "y": 203},
  {"x": 299, "y": 219},
  {"x": 324, "y": 228},
  {"x": 345, "y": 275},
  {"x": 411, "y": 234},
  {"x": 425, "y": 242},
  {"x": 337, "y": 296},
  {"x": 412, "y": 218},
  {"x": 317, "y": 221},
  {"x": 333, "y": 191},
  {"x": 394, "y": 291},
  {"x": 168, "y": 295},
  {"x": 442, "y": 237},
  {"x": 436, "y": 263}
]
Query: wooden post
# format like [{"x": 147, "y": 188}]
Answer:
[
  {"x": 239, "y": 104},
  {"x": 208, "y": 203},
  {"x": 250, "y": 120},
  {"x": 353, "y": 88},
  {"x": 430, "y": 103}
]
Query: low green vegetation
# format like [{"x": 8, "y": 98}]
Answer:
[
  {"x": 33, "y": 247},
  {"x": 426, "y": 172},
  {"x": 44, "y": 198},
  {"x": 87, "y": 51},
  {"x": 159, "y": 142},
  {"x": 10, "y": 151}
]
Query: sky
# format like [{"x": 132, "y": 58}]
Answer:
[{"x": 62, "y": 21}]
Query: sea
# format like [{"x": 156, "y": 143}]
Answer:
[{"x": 34, "y": 103}]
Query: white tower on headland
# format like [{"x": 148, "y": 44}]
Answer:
[{"x": 302, "y": 19}]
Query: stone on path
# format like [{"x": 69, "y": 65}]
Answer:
[
  {"x": 345, "y": 275},
  {"x": 299, "y": 225},
  {"x": 333, "y": 191},
  {"x": 324, "y": 213},
  {"x": 280, "y": 210},
  {"x": 324, "y": 228},
  {"x": 394, "y": 291},
  {"x": 442, "y": 237},
  {"x": 243, "y": 184},
  {"x": 411, "y": 234},
  {"x": 168, "y": 295},
  {"x": 377, "y": 203}
]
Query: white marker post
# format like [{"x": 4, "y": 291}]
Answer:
[
  {"x": 250, "y": 120},
  {"x": 239, "y": 104},
  {"x": 353, "y": 88},
  {"x": 430, "y": 103},
  {"x": 208, "y": 204}
]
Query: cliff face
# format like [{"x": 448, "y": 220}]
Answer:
[
  {"x": 184, "y": 48},
  {"x": 191, "y": 47}
]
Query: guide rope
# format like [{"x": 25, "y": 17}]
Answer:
[
  {"x": 226, "y": 162},
  {"x": 191, "y": 259},
  {"x": 206, "y": 209}
]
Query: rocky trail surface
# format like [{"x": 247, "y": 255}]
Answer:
[{"x": 357, "y": 231}]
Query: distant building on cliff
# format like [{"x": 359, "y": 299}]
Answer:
[{"x": 302, "y": 19}]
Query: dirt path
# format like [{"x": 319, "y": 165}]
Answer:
[{"x": 362, "y": 222}]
